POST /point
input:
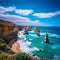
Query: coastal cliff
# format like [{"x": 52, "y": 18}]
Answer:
[
  {"x": 8, "y": 36},
  {"x": 8, "y": 31}
]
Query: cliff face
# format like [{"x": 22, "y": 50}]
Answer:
[{"x": 8, "y": 31}]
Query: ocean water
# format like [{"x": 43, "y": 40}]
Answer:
[{"x": 50, "y": 51}]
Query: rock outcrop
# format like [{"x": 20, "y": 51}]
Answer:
[
  {"x": 25, "y": 30},
  {"x": 37, "y": 30},
  {"x": 46, "y": 38},
  {"x": 29, "y": 28}
]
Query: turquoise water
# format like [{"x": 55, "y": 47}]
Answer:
[{"x": 49, "y": 50}]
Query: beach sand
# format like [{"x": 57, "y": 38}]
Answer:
[{"x": 16, "y": 47}]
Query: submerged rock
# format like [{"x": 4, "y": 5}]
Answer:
[{"x": 46, "y": 38}]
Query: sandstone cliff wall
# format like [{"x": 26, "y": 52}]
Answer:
[{"x": 8, "y": 31}]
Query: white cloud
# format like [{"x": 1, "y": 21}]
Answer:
[
  {"x": 8, "y": 9},
  {"x": 24, "y": 12},
  {"x": 46, "y": 15},
  {"x": 13, "y": 18},
  {"x": 35, "y": 23},
  {"x": 21, "y": 20},
  {"x": 31, "y": 23}
]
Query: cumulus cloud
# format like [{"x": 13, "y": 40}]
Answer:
[
  {"x": 21, "y": 20},
  {"x": 8, "y": 9},
  {"x": 24, "y": 12},
  {"x": 46, "y": 15}
]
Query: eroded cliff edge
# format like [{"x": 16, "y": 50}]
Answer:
[{"x": 9, "y": 32}]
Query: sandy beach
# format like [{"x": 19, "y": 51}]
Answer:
[{"x": 16, "y": 47}]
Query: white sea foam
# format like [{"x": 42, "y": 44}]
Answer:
[
  {"x": 36, "y": 49},
  {"x": 21, "y": 35},
  {"x": 25, "y": 38},
  {"x": 29, "y": 43},
  {"x": 31, "y": 31},
  {"x": 41, "y": 33},
  {"x": 33, "y": 35},
  {"x": 24, "y": 47},
  {"x": 51, "y": 34},
  {"x": 30, "y": 38},
  {"x": 54, "y": 35}
]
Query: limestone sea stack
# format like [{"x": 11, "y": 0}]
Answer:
[
  {"x": 46, "y": 40},
  {"x": 29, "y": 28},
  {"x": 37, "y": 30},
  {"x": 25, "y": 30}
]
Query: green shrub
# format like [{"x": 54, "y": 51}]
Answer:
[
  {"x": 6, "y": 56},
  {"x": 1, "y": 59},
  {"x": 10, "y": 52},
  {"x": 2, "y": 41},
  {"x": 23, "y": 56},
  {"x": 2, "y": 45}
]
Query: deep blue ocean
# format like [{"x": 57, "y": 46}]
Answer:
[{"x": 54, "y": 30}]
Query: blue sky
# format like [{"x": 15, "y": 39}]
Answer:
[{"x": 31, "y": 12}]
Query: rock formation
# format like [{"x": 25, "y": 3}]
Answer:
[
  {"x": 8, "y": 31},
  {"x": 46, "y": 38},
  {"x": 25, "y": 30},
  {"x": 37, "y": 30},
  {"x": 29, "y": 28}
]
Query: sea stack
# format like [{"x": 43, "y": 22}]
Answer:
[
  {"x": 46, "y": 38},
  {"x": 25, "y": 30},
  {"x": 37, "y": 30},
  {"x": 29, "y": 28}
]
